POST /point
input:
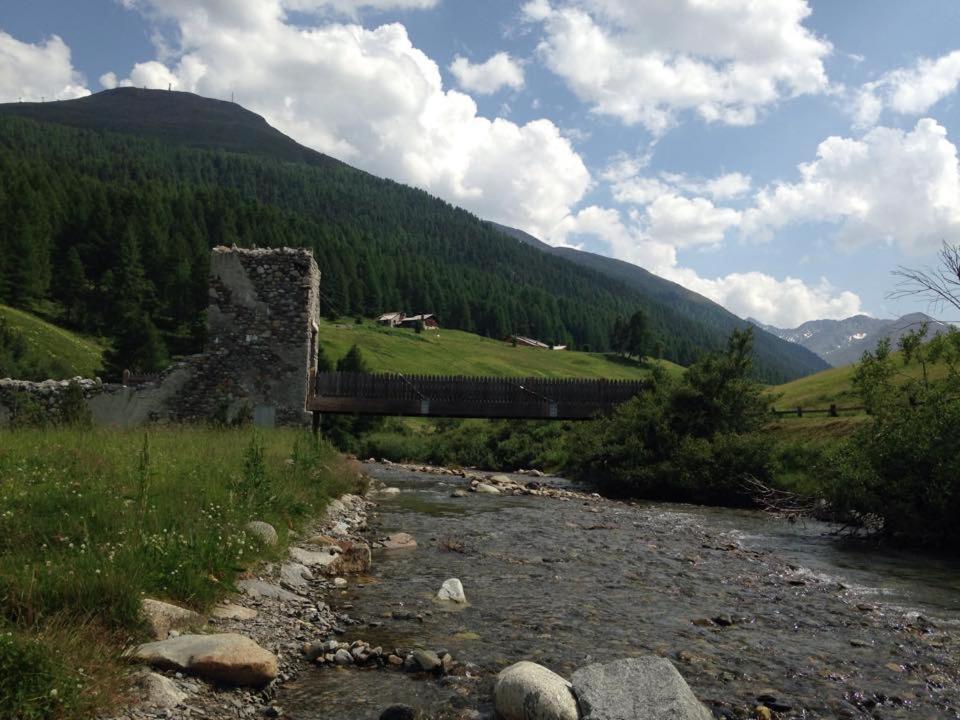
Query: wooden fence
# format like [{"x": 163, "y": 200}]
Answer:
[
  {"x": 462, "y": 396},
  {"x": 832, "y": 411}
]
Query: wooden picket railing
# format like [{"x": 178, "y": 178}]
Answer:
[{"x": 462, "y": 396}]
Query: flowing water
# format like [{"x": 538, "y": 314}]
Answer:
[{"x": 816, "y": 628}]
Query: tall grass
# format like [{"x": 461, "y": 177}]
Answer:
[{"x": 92, "y": 521}]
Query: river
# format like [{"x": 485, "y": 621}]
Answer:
[{"x": 751, "y": 610}]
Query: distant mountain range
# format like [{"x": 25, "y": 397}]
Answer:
[
  {"x": 841, "y": 342},
  {"x": 154, "y": 178}
]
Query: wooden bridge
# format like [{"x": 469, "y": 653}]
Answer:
[{"x": 467, "y": 397}]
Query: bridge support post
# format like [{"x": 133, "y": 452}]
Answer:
[{"x": 316, "y": 424}]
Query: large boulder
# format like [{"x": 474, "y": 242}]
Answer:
[
  {"x": 161, "y": 617},
  {"x": 264, "y": 532},
  {"x": 486, "y": 489},
  {"x": 227, "y": 658},
  {"x": 645, "y": 688},
  {"x": 527, "y": 691}
]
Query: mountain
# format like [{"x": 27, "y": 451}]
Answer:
[
  {"x": 109, "y": 205},
  {"x": 841, "y": 342},
  {"x": 770, "y": 348}
]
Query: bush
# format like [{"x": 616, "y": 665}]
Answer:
[{"x": 901, "y": 471}]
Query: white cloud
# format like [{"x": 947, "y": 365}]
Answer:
[
  {"x": 32, "y": 72},
  {"x": 908, "y": 91},
  {"x": 371, "y": 98},
  {"x": 785, "y": 302},
  {"x": 686, "y": 222},
  {"x": 644, "y": 61},
  {"x": 890, "y": 186},
  {"x": 488, "y": 77}
]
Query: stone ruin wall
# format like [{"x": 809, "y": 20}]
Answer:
[{"x": 261, "y": 343}]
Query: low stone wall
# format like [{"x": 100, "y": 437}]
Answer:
[{"x": 36, "y": 403}]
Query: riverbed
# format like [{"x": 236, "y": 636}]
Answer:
[{"x": 752, "y": 610}]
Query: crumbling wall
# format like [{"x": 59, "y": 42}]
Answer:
[{"x": 261, "y": 338}]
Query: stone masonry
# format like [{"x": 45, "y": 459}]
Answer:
[{"x": 261, "y": 337}]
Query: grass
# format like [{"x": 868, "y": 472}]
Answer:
[
  {"x": 92, "y": 521},
  {"x": 67, "y": 352},
  {"x": 453, "y": 352},
  {"x": 836, "y": 385}
]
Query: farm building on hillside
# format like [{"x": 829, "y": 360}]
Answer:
[
  {"x": 530, "y": 342},
  {"x": 390, "y": 319},
  {"x": 399, "y": 319},
  {"x": 428, "y": 320}
]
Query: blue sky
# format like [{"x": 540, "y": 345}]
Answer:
[{"x": 780, "y": 157}]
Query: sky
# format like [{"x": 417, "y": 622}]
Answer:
[{"x": 781, "y": 157}]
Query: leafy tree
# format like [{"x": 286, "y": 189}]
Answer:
[
  {"x": 689, "y": 439},
  {"x": 353, "y": 361},
  {"x": 138, "y": 347}
]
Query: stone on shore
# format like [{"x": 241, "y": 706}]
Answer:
[
  {"x": 311, "y": 558},
  {"x": 262, "y": 589},
  {"x": 487, "y": 489},
  {"x": 295, "y": 576},
  {"x": 527, "y": 691},
  {"x": 162, "y": 617},
  {"x": 231, "y": 611},
  {"x": 400, "y": 541},
  {"x": 227, "y": 658},
  {"x": 157, "y": 691},
  {"x": 263, "y": 531},
  {"x": 645, "y": 688},
  {"x": 500, "y": 479},
  {"x": 452, "y": 590}
]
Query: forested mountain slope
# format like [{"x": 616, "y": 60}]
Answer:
[
  {"x": 109, "y": 205},
  {"x": 770, "y": 350}
]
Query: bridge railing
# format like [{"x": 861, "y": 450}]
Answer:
[{"x": 463, "y": 396}]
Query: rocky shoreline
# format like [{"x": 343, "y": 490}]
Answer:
[{"x": 285, "y": 609}]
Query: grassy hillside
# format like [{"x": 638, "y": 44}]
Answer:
[
  {"x": 836, "y": 385},
  {"x": 453, "y": 352},
  {"x": 65, "y": 354}
]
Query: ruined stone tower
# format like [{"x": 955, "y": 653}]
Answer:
[{"x": 261, "y": 337}]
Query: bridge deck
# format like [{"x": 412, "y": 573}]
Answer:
[{"x": 460, "y": 396}]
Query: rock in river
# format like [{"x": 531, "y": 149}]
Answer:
[
  {"x": 487, "y": 489},
  {"x": 645, "y": 688},
  {"x": 399, "y": 541},
  {"x": 228, "y": 658},
  {"x": 452, "y": 590},
  {"x": 527, "y": 691}
]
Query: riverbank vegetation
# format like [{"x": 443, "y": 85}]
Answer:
[{"x": 91, "y": 521}]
